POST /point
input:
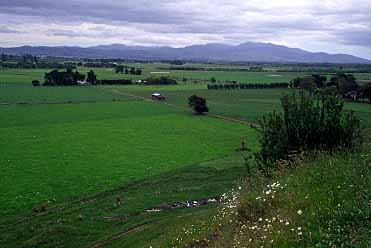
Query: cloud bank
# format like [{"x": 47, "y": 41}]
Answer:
[{"x": 335, "y": 26}]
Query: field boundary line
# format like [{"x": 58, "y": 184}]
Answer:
[{"x": 221, "y": 117}]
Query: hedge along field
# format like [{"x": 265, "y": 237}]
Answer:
[{"x": 56, "y": 151}]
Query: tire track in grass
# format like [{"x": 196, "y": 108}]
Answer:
[{"x": 136, "y": 229}]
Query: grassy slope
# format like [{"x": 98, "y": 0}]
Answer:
[
  {"x": 325, "y": 202},
  {"x": 112, "y": 143}
]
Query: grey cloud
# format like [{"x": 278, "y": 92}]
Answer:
[
  {"x": 355, "y": 37},
  {"x": 140, "y": 11},
  {"x": 306, "y": 23},
  {"x": 6, "y": 30}
]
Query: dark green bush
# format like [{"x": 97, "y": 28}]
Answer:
[
  {"x": 36, "y": 83},
  {"x": 308, "y": 122},
  {"x": 198, "y": 104}
]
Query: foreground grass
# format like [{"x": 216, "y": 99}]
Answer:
[
  {"x": 101, "y": 220},
  {"x": 324, "y": 202}
]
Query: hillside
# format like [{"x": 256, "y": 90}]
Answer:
[
  {"x": 246, "y": 52},
  {"x": 325, "y": 202}
]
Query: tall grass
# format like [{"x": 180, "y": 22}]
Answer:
[{"x": 324, "y": 202}]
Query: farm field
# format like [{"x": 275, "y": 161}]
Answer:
[
  {"x": 112, "y": 143},
  {"x": 25, "y": 76},
  {"x": 18, "y": 94},
  {"x": 98, "y": 220},
  {"x": 247, "y": 105},
  {"x": 86, "y": 166}
]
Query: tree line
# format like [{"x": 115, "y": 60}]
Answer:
[
  {"x": 343, "y": 84},
  {"x": 124, "y": 69},
  {"x": 66, "y": 78},
  {"x": 72, "y": 77},
  {"x": 239, "y": 86}
]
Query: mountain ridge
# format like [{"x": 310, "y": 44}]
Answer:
[{"x": 245, "y": 52}]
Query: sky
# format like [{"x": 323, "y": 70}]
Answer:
[{"x": 333, "y": 26}]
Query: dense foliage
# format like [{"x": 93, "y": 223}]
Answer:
[
  {"x": 367, "y": 91},
  {"x": 124, "y": 69},
  {"x": 310, "y": 82},
  {"x": 91, "y": 77},
  {"x": 63, "y": 78},
  {"x": 115, "y": 82},
  {"x": 308, "y": 122},
  {"x": 343, "y": 84},
  {"x": 159, "y": 81},
  {"x": 198, "y": 104},
  {"x": 236, "y": 86}
]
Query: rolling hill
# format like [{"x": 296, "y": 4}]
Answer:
[{"x": 246, "y": 52}]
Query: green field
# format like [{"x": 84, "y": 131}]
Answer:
[
  {"x": 25, "y": 76},
  {"x": 74, "y": 151},
  {"x": 247, "y": 105},
  {"x": 57, "y": 151},
  {"x": 25, "y": 94}
]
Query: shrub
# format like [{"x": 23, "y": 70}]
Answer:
[
  {"x": 36, "y": 83},
  {"x": 367, "y": 91},
  {"x": 160, "y": 81},
  {"x": 198, "y": 104},
  {"x": 308, "y": 122}
]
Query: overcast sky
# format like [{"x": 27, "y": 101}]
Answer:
[{"x": 335, "y": 26}]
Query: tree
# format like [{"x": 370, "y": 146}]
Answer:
[
  {"x": 91, "y": 78},
  {"x": 312, "y": 82},
  {"x": 36, "y": 83},
  {"x": 213, "y": 80},
  {"x": 367, "y": 91},
  {"x": 119, "y": 69},
  {"x": 345, "y": 83},
  {"x": 319, "y": 80},
  {"x": 160, "y": 81},
  {"x": 198, "y": 104},
  {"x": 295, "y": 82},
  {"x": 308, "y": 122}
]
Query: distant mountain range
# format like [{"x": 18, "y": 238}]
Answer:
[{"x": 246, "y": 52}]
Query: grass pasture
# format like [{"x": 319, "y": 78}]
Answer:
[
  {"x": 58, "y": 151},
  {"x": 246, "y": 105},
  {"x": 18, "y": 94},
  {"x": 239, "y": 76},
  {"x": 98, "y": 158}
]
